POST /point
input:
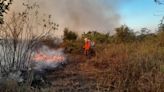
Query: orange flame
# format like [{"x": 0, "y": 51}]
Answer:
[{"x": 46, "y": 58}]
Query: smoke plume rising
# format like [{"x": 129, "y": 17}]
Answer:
[{"x": 80, "y": 15}]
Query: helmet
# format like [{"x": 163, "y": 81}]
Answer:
[{"x": 85, "y": 39}]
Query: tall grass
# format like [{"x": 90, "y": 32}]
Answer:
[{"x": 130, "y": 67}]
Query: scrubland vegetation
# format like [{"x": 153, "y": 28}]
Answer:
[{"x": 122, "y": 62}]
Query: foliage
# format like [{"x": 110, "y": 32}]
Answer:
[
  {"x": 145, "y": 35},
  {"x": 69, "y": 35},
  {"x": 160, "y": 38},
  {"x": 97, "y": 36},
  {"x": 124, "y": 34}
]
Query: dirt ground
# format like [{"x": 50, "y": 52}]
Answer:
[{"x": 75, "y": 76}]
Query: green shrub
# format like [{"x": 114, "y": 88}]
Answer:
[
  {"x": 124, "y": 34},
  {"x": 69, "y": 35}
]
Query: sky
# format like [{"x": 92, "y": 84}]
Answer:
[{"x": 138, "y": 14}]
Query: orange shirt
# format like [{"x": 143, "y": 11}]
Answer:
[{"x": 87, "y": 45}]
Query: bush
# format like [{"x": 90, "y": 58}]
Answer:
[
  {"x": 69, "y": 35},
  {"x": 160, "y": 39},
  {"x": 124, "y": 34},
  {"x": 97, "y": 37}
]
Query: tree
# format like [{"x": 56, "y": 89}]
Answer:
[
  {"x": 4, "y": 6},
  {"x": 124, "y": 34},
  {"x": 69, "y": 35},
  {"x": 97, "y": 36},
  {"x": 19, "y": 39}
]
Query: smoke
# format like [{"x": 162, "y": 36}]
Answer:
[
  {"x": 81, "y": 15},
  {"x": 47, "y": 58}
]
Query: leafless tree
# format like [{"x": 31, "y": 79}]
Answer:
[{"x": 20, "y": 36}]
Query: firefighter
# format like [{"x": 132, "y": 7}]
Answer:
[{"x": 87, "y": 46}]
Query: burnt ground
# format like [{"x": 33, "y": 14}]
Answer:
[{"x": 76, "y": 76}]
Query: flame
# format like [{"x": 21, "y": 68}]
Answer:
[{"x": 38, "y": 57}]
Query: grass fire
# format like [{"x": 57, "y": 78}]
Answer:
[
  {"x": 42, "y": 57},
  {"x": 81, "y": 46},
  {"x": 48, "y": 59}
]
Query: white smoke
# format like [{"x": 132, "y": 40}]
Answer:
[
  {"x": 83, "y": 15},
  {"x": 46, "y": 60},
  {"x": 80, "y": 15}
]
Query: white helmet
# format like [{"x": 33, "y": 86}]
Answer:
[{"x": 85, "y": 39}]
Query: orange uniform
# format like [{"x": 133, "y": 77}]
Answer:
[{"x": 87, "y": 47}]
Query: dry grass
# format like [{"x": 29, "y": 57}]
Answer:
[
  {"x": 131, "y": 67},
  {"x": 124, "y": 67},
  {"x": 12, "y": 86},
  {"x": 134, "y": 67}
]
